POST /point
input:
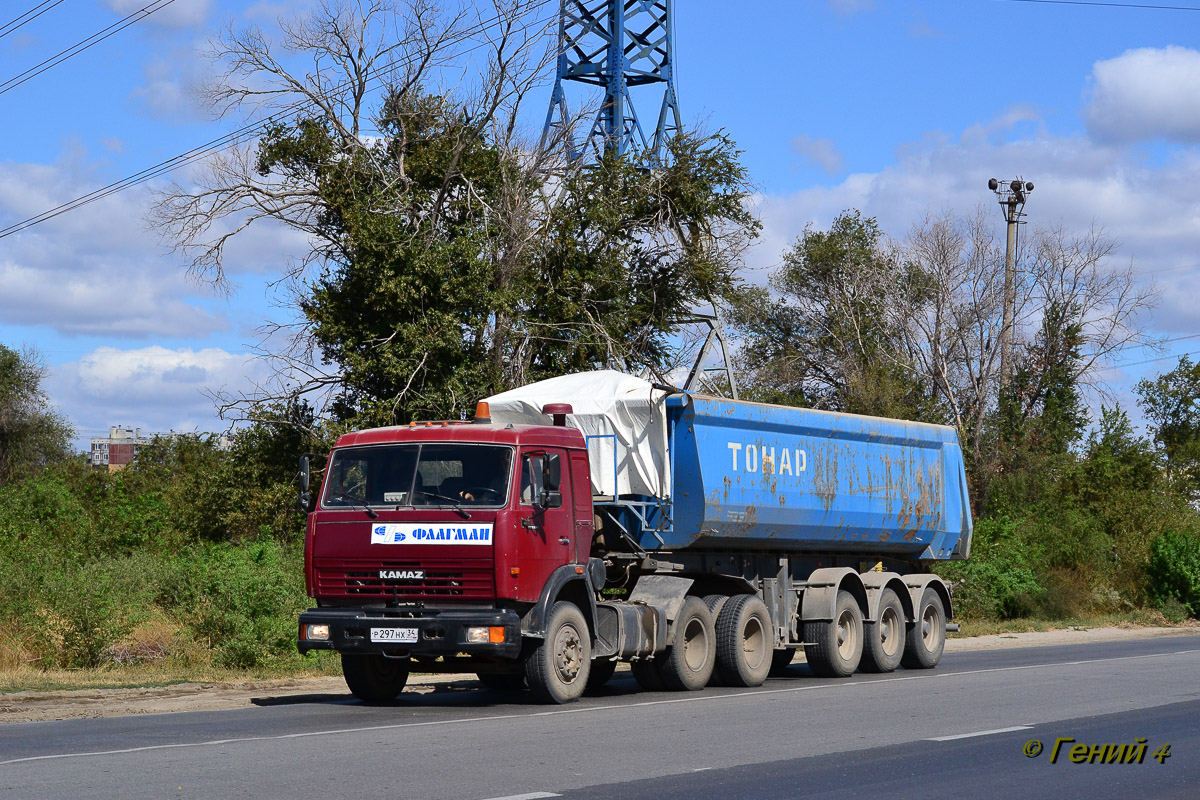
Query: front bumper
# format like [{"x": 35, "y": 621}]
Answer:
[{"x": 440, "y": 632}]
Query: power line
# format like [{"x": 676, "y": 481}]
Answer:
[
  {"x": 28, "y": 16},
  {"x": 79, "y": 47},
  {"x": 220, "y": 143},
  {"x": 1160, "y": 358},
  {"x": 1106, "y": 5}
]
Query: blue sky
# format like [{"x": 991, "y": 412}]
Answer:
[{"x": 897, "y": 108}]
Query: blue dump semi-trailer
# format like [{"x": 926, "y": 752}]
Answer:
[{"x": 699, "y": 539}]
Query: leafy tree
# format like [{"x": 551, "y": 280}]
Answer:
[
  {"x": 827, "y": 334},
  {"x": 31, "y": 435},
  {"x": 1172, "y": 406},
  {"x": 1041, "y": 413},
  {"x": 449, "y": 260}
]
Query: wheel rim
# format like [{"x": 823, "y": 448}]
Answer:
[
  {"x": 568, "y": 654},
  {"x": 890, "y": 635},
  {"x": 847, "y": 636},
  {"x": 695, "y": 645},
  {"x": 929, "y": 627},
  {"x": 754, "y": 643}
]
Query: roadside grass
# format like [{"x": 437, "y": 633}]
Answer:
[
  {"x": 1137, "y": 618},
  {"x": 154, "y": 674}
]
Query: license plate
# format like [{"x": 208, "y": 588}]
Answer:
[{"x": 403, "y": 635}]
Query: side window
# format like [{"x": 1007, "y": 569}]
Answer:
[{"x": 526, "y": 482}]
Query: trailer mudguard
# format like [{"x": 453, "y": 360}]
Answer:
[
  {"x": 916, "y": 585},
  {"x": 821, "y": 591},
  {"x": 875, "y": 583}
]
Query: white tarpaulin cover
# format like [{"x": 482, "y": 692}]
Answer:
[{"x": 621, "y": 416}]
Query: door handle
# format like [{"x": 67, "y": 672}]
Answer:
[{"x": 563, "y": 540}]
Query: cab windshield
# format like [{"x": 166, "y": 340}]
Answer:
[{"x": 419, "y": 475}]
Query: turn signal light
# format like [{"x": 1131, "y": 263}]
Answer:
[{"x": 496, "y": 635}]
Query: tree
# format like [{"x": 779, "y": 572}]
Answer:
[
  {"x": 827, "y": 333},
  {"x": 1172, "y": 405},
  {"x": 31, "y": 435},
  {"x": 1041, "y": 414},
  {"x": 448, "y": 261},
  {"x": 955, "y": 328}
]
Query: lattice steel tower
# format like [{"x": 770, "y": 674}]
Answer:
[{"x": 616, "y": 45}]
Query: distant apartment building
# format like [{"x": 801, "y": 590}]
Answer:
[{"x": 118, "y": 450}]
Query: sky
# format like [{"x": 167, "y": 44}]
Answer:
[{"x": 897, "y": 108}]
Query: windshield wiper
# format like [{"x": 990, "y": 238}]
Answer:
[
  {"x": 457, "y": 506},
  {"x": 359, "y": 504}
]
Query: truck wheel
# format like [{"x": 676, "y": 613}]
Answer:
[
  {"x": 602, "y": 672},
  {"x": 834, "y": 648},
  {"x": 557, "y": 668},
  {"x": 647, "y": 675},
  {"x": 715, "y": 603},
  {"x": 883, "y": 639},
  {"x": 374, "y": 678},
  {"x": 781, "y": 660},
  {"x": 501, "y": 682},
  {"x": 927, "y": 634},
  {"x": 745, "y": 644},
  {"x": 689, "y": 661}
]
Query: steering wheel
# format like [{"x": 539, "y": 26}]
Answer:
[{"x": 480, "y": 493}]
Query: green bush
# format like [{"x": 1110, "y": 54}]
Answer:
[
  {"x": 1173, "y": 573},
  {"x": 83, "y": 614},
  {"x": 241, "y": 600},
  {"x": 998, "y": 581}
]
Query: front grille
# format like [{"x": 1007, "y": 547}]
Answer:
[{"x": 466, "y": 579}]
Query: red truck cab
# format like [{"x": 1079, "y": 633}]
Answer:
[{"x": 438, "y": 546}]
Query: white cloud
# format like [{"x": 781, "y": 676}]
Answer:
[
  {"x": 1146, "y": 94},
  {"x": 1153, "y": 212},
  {"x": 178, "y": 14},
  {"x": 107, "y": 303},
  {"x": 822, "y": 153},
  {"x": 99, "y": 270},
  {"x": 153, "y": 388}
]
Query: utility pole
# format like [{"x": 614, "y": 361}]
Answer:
[{"x": 1012, "y": 205}]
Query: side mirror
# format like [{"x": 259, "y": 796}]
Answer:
[
  {"x": 546, "y": 480},
  {"x": 553, "y": 469},
  {"x": 304, "y": 498},
  {"x": 537, "y": 483}
]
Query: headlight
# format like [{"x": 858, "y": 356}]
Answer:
[{"x": 318, "y": 633}]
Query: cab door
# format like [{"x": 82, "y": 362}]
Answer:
[{"x": 546, "y": 534}]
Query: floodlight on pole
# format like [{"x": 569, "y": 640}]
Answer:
[{"x": 1012, "y": 198}]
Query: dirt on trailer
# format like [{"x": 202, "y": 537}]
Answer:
[{"x": 94, "y": 703}]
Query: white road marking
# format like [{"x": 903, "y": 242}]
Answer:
[
  {"x": 527, "y": 796},
  {"x": 979, "y": 733},
  {"x": 920, "y": 676}
]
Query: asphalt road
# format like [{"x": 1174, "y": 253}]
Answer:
[{"x": 958, "y": 731}]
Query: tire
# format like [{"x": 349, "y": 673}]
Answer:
[
  {"x": 374, "y": 678},
  {"x": 602, "y": 672},
  {"x": 781, "y": 660},
  {"x": 501, "y": 682},
  {"x": 715, "y": 603},
  {"x": 834, "y": 648},
  {"x": 647, "y": 675},
  {"x": 557, "y": 667},
  {"x": 884, "y": 639},
  {"x": 689, "y": 661},
  {"x": 745, "y": 642},
  {"x": 926, "y": 637}
]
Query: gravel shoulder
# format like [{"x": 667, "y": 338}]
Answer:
[{"x": 96, "y": 703}]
